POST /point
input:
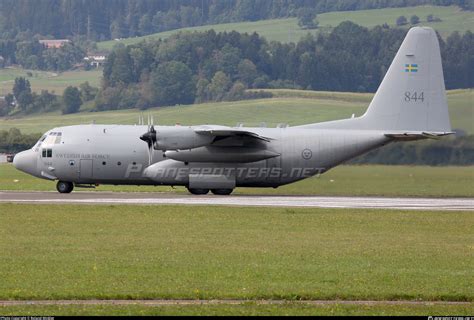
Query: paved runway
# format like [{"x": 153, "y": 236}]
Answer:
[{"x": 149, "y": 198}]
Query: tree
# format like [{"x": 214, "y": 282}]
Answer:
[
  {"x": 71, "y": 100},
  {"x": 144, "y": 26},
  {"x": 121, "y": 69},
  {"x": 22, "y": 92},
  {"x": 414, "y": 19},
  {"x": 9, "y": 99},
  {"x": 173, "y": 84},
  {"x": 45, "y": 101},
  {"x": 21, "y": 85},
  {"x": 117, "y": 29},
  {"x": 237, "y": 92},
  {"x": 401, "y": 21},
  {"x": 4, "y": 108},
  {"x": 228, "y": 59},
  {"x": 202, "y": 91},
  {"x": 307, "y": 18},
  {"x": 219, "y": 86},
  {"x": 247, "y": 71},
  {"x": 88, "y": 92}
]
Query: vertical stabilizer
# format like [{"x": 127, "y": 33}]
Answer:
[{"x": 412, "y": 95}]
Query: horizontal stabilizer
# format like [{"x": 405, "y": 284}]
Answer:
[{"x": 406, "y": 136}]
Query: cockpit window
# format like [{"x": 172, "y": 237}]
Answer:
[
  {"x": 38, "y": 144},
  {"x": 48, "y": 140},
  {"x": 52, "y": 138}
]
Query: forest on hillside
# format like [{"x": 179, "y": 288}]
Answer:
[
  {"x": 100, "y": 20},
  {"x": 196, "y": 67},
  {"x": 209, "y": 66}
]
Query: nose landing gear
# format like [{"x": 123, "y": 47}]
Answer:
[{"x": 64, "y": 187}]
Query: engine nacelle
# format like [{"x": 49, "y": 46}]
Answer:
[
  {"x": 221, "y": 155},
  {"x": 179, "y": 138}
]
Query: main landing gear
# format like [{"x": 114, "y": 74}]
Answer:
[
  {"x": 219, "y": 192},
  {"x": 198, "y": 192},
  {"x": 64, "y": 187},
  {"x": 222, "y": 192}
]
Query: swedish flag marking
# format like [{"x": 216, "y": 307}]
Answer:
[{"x": 411, "y": 67}]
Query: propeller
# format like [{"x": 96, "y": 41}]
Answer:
[{"x": 150, "y": 138}]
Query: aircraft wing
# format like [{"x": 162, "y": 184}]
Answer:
[
  {"x": 224, "y": 132},
  {"x": 417, "y": 135}
]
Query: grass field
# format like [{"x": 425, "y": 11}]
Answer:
[
  {"x": 196, "y": 252},
  {"x": 406, "y": 181},
  {"x": 288, "y": 106},
  {"x": 43, "y": 80},
  {"x": 246, "y": 309},
  {"x": 287, "y": 30}
]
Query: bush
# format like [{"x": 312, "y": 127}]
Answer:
[
  {"x": 71, "y": 100},
  {"x": 414, "y": 19},
  {"x": 13, "y": 140},
  {"x": 401, "y": 21}
]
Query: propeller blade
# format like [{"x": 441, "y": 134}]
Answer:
[{"x": 150, "y": 138}]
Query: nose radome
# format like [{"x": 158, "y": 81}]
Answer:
[{"x": 25, "y": 161}]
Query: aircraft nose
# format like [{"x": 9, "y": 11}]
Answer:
[{"x": 25, "y": 161}]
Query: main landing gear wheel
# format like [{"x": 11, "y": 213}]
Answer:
[
  {"x": 222, "y": 192},
  {"x": 64, "y": 187},
  {"x": 198, "y": 192}
]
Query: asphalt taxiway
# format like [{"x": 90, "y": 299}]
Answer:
[{"x": 149, "y": 198}]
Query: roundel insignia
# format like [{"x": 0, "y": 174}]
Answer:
[{"x": 306, "y": 154}]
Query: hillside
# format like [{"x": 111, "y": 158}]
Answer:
[
  {"x": 45, "y": 80},
  {"x": 287, "y": 106},
  {"x": 287, "y": 30}
]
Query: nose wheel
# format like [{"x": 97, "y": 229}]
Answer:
[{"x": 64, "y": 187}]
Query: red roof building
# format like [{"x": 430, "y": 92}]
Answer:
[{"x": 54, "y": 43}]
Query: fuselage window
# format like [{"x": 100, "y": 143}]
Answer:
[{"x": 104, "y": 163}]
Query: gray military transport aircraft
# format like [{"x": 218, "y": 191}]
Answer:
[{"x": 410, "y": 104}]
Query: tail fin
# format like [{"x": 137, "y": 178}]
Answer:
[{"x": 412, "y": 95}]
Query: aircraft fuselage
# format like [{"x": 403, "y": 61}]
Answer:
[{"x": 114, "y": 154}]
